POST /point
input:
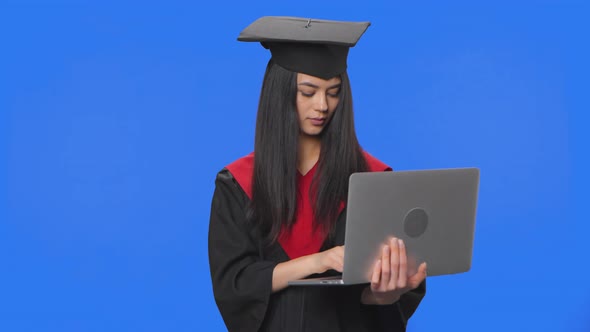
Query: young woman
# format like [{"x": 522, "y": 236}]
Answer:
[{"x": 278, "y": 214}]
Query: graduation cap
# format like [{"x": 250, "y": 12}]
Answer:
[{"x": 310, "y": 46}]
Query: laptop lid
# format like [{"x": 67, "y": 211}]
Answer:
[{"x": 433, "y": 211}]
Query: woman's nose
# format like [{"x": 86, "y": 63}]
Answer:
[{"x": 321, "y": 103}]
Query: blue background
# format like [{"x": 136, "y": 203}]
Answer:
[{"x": 115, "y": 118}]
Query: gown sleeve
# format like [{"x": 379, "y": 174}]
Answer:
[
  {"x": 394, "y": 317},
  {"x": 408, "y": 303},
  {"x": 242, "y": 280}
]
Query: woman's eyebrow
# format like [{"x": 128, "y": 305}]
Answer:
[{"x": 308, "y": 84}]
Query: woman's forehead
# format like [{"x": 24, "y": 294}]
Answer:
[{"x": 317, "y": 81}]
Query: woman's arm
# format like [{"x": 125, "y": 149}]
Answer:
[
  {"x": 241, "y": 279},
  {"x": 298, "y": 268}
]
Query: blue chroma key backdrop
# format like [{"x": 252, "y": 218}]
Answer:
[{"x": 115, "y": 118}]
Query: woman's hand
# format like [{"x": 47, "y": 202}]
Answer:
[
  {"x": 304, "y": 266},
  {"x": 332, "y": 259},
  {"x": 390, "y": 275}
]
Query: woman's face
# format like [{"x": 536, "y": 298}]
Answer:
[{"x": 316, "y": 101}]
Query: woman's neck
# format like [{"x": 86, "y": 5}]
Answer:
[{"x": 308, "y": 153}]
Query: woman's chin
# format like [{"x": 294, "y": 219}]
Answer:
[{"x": 314, "y": 132}]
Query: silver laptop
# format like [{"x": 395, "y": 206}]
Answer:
[{"x": 432, "y": 211}]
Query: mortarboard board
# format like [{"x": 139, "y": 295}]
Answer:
[{"x": 310, "y": 46}]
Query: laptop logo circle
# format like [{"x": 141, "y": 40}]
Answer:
[{"x": 415, "y": 222}]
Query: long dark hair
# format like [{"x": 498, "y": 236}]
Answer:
[{"x": 274, "y": 183}]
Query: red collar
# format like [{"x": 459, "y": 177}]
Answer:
[{"x": 243, "y": 169}]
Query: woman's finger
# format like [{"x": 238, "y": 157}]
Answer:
[
  {"x": 376, "y": 275},
  {"x": 403, "y": 265},
  {"x": 417, "y": 278},
  {"x": 394, "y": 263},
  {"x": 386, "y": 266}
]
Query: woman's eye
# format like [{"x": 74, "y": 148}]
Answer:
[
  {"x": 306, "y": 94},
  {"x": 334, "y": 93}
]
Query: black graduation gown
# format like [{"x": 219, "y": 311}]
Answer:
[{"x": 241, "y": 272}]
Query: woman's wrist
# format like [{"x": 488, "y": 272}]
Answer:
[
  {"x": 311, "y": 264},
  {"x": 294, "y": 269}
]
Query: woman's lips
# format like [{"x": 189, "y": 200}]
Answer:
[{"x": 318, "y": 121}]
